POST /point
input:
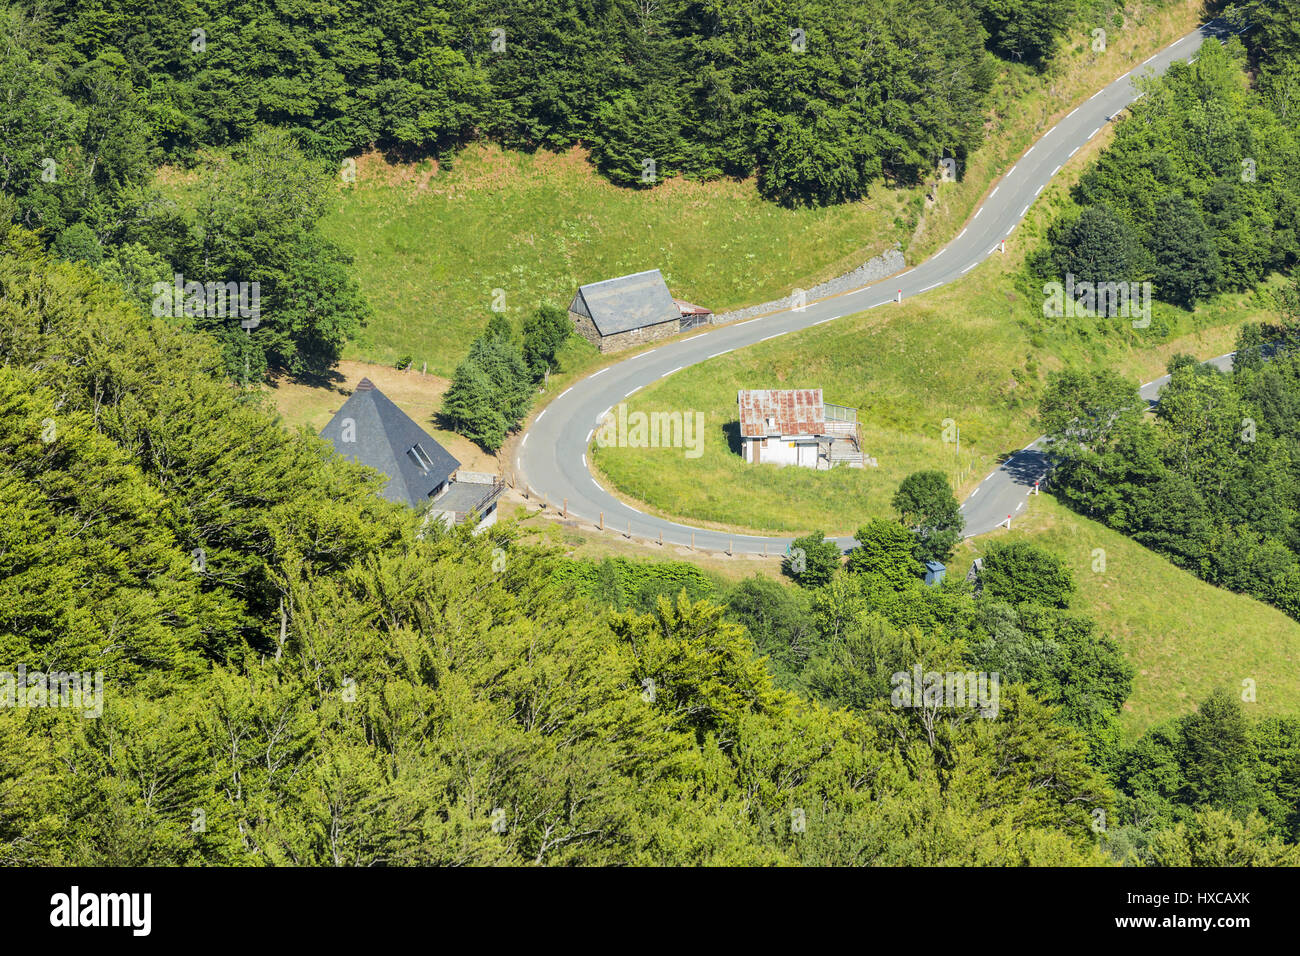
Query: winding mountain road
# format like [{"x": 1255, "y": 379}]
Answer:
[{"x": 552, "y": 455}]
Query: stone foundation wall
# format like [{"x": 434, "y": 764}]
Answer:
[{"x": 623, "y": 340}]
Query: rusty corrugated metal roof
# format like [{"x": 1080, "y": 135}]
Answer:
[
  {"x": 687, "y": 309},
  {"x": 793, "y": 411}
]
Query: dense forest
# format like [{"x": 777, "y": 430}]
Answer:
[
  {"x": 823, "y": 98},
  {"x": 295, "y": 672},
  {"x": 1200, "y": 191},
  {"x": 1212, "y": 479}
]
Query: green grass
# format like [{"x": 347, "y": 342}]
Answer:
[
  {"x": 537, "y": 226},
  {"x": 1184, "y": 637},
  {"x": 432, "y": 244}
]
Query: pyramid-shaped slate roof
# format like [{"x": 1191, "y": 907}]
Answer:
[{"x": 371, "y": 430}]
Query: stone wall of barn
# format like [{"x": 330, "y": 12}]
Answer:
[
  {"x": 623, "y": 340},
  {"x": 586, "y": 328}
]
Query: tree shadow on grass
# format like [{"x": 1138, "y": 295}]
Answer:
[{"x": 332, "y": 379}]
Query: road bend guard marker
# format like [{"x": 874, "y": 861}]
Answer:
[
  {"x": 1007, "y": 523},
  {"x": 900, "y": 296},
  {"x": 1002, "y": 247}
]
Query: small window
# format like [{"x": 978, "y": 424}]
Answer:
[{"x": 420, "y": 457}]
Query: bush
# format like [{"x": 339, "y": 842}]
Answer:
[{"x": 811, "y": 560}]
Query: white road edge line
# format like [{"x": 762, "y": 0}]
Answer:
[
  {"x": 723, "y": 352},
  {"x": 771, "y": 336},
  {"x": 540, "y": 414}
]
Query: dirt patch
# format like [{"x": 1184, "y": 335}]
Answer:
[
  {"x": 373, "y": 168},
  {"x": 417, "y": 394}
]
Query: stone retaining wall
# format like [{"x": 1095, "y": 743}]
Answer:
[{"x": 887, "y": 263}]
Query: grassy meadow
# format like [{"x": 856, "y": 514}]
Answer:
[{"x": 1183, "y": 636}]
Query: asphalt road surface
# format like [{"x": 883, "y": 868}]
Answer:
[{"x": 552, "y": 456}]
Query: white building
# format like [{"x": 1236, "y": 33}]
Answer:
[{"x": 795, "y": 427}]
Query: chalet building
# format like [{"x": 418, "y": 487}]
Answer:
[
  {"x": 631, "y": 310},
  {"x": 795, "y": 427},
  {"x": 371, "y": 430}
]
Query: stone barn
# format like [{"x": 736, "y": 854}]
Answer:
[{"x": 631, "y": 310}]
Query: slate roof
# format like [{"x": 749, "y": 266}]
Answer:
[
  {"x": 626, "y": 303},
  {"x": 796, "y": 411},
  {"x": 383, "y": 437}
]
